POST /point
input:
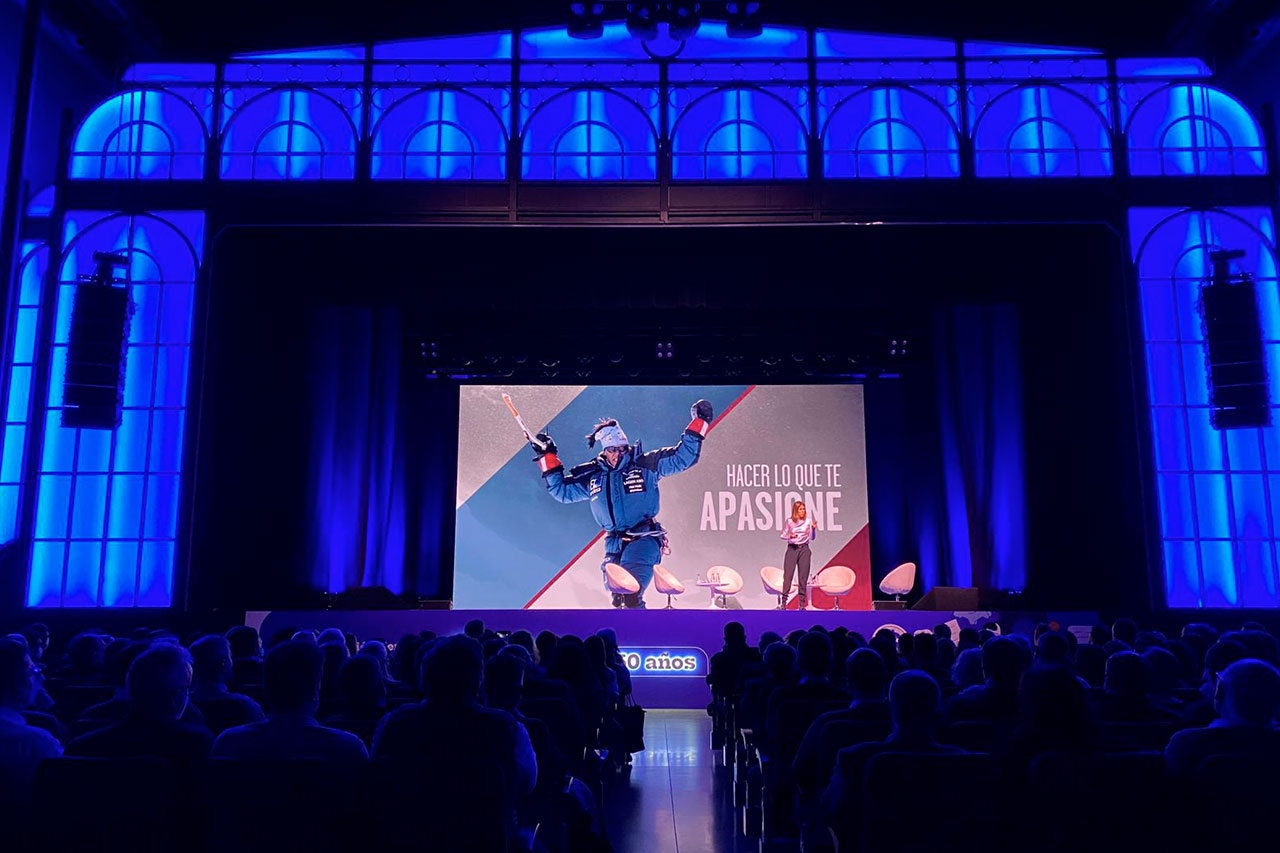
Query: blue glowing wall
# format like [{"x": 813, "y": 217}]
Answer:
[
  {"x": 106, "y": 518},
  {"x": 1218, "y": 491}
]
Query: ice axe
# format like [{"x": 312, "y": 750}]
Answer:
[{"x": 506, "y": 398}]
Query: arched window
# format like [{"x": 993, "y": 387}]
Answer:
[
  {"x": 1041, "y": 132},
  {"x": 736, "y": 134},
  {"x": 440, "y": 134},
  {"x": 106, "y": 515},
  {"x": 590, "y": 135},
  {"x": 142, "y": 134},
  {"x": 289, "y": 134},
  {"x": 1215, "y": 487},
  {"x": 20, "y": 361},
  {"x": 1191, "y": 129},
  {"x": 890, "y": 132}
]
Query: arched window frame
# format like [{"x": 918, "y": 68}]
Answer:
[
  {"x": 951, "y": 152},
  {"x": 324, "y": 153},
  {"x": 624, "y": 154},
  {"x": 190, "y": 160},
  {"x": 402, "y": 156},
  {"x": 1008, "y": 153},
  {"x": 1202, "y": 159},
  {"x": 773, "y": 153}
]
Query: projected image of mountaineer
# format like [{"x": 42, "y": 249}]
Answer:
[{"x": 622, "y": 485}]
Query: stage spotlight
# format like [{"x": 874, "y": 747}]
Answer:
[
  {"x": 744, "y": 20},
  {"x": 642, "y": 20},
  {"x": 683, "y": 20},
  {"x": 586, "y": 20}
]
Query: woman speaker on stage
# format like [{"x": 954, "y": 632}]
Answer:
[{"x": 799, "y": 531}]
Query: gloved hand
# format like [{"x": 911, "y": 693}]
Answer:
[
  {"x": 702, "y": 409},
  {"x": 548, "y": 446}
]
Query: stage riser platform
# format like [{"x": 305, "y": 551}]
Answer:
[{"x": 686, "y": 635}]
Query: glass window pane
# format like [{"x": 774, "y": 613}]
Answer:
[
  {"x": 157, "y": 574},
  {"x": 53, "y": 506},
  {"x": 121, "y": 574},
  {"x": 125, "y": 519},
  {"x": 1182, "y": 574},
  {"x": 162, "y": 507},
  {"x": 90, "y": 506},
  {"x": 1218, "y": 565},
  {"x": 84, "y": 567},
  {"x": 44, "y": 586}
]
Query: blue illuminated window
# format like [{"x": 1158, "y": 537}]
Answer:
[
  {"x": 142, "y": 134},
  {"x": 1190, "y": 129},
  {"x": 889, "y": 132},
  {"x": 1218, "y": 491},
  {"x": 440, "y": 134},
  {"x": 20, "y": 363},
  {"x": 293, "y": 120},
  {"x": 741, "y": 133},
  {"x": 106, "y": 515},
  {"x": 1041, "y": 132},
  {"x": 589, "y": 134}
]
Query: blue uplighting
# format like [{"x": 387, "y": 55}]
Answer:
[
  {"x": 106, "y": 500},
  {"x": 1214, "y": 487}
]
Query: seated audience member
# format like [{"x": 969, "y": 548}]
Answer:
[
  {"x": 545, "y": 643},
  {"x": 612, "y": 655},
  {"x": 727, "y": 664},
  {"x": 779, "y": 671},
  {"x": 364, "y": 698},
  {"x": 572, "y": 667},
  {"x": 159, "y": 682},
  {"x": 115, "y": 673},
  {"x": 450, "y": 727},
  {"x": 474, "y": 629},
  {"x": 1091, "y": 665},
  {"x": 1248, "y": 702},
  {"x": 1053, "y": 716},
  {"x": 1003, "y": 661},
  {"x": 37, "y": 634},
  {"x": 755, "y": 668},
  {"x": 814, "y": 687},
  {"x": 85, "y": 656},
  {"x": 969, "y": 638},
  {"x": 913, "y": 708},
  {"x": 1125, "y": 630},
  {"x": 246, "y": 656},
  {"x": 377, "y": 650},
  {"x": 503, "y": 688},
  {"x": 22, "y": 747},
  {"x": 335, "y": 655},
  {"x": 211, "y": 668},
  {"x": 1166, "y": 676},
  {"x": 1125, "y": 689},
  {"x": 867, "y": 679},
  {"x": 967, "y": 670},
  {"x": 292, "y": 671}
]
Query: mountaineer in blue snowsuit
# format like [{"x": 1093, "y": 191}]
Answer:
[{"x": 622, "y": 485}]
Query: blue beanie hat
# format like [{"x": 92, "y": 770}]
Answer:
[{"x": 609, "y": 434}]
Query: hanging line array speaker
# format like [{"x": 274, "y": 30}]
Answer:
[
  {"x": 1234, "y": 357},
  {"x": 93, "y": 391}
]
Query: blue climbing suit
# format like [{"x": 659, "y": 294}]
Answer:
[{"x": 624, "y": 500}]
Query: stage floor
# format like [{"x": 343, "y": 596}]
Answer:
[{"x": 666, "y": 650}]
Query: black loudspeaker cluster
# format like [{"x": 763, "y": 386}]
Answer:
[
  {"x": 1233, "y": 347},
  {"x": 93, "y": 391}
]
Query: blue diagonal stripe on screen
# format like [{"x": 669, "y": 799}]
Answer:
[{"x": 512, "y": 537}]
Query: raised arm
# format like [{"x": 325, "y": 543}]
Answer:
[
  {"x": 685, "y": 454},
  {"x": 566, "y": 489}
]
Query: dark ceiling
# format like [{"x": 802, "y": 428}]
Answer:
[{"x": 122, "y": 31}]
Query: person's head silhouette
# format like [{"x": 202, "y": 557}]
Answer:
[
  {"x": 452, "y": 671},
  {"x": 211, "y": 661},
  {"x": 244, "y": 642},
  {"x": 1003, "y": 660},
  {"x": 17, "y": 675},
  {"x": 867, "y": 675},
  {"x": 735, "y": 634},
  {"x": 1248, "y": 694},
  {"x": 362, "y": 685},
  {"x": 504, "y": 682},
  {"x": 780, "y": 661},
  {"x": 1128, "y": 676},
  {"x": 291, "y": 678},
  {"x": 913, "y": 703},
  {"x": 814, "y": 656},
  {"x": 159, "y": 681}
]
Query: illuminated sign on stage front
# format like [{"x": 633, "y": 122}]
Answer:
[{"x": 665, "y": 661}]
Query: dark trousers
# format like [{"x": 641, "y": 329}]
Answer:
[{"x": 797, "y": 555}]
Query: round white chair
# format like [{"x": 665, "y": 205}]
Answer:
[
  {"x": 771, "y": 579},
  {"x": 667, "y": 584},
  {"x": 837, "y": 582},
  {"x": 899, "y": 581},
  {"x": 619, "y": 580},
  {"x": 723, "y": 582}
]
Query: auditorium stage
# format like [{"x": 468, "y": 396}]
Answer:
[{"x": 666, "y": 650}]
